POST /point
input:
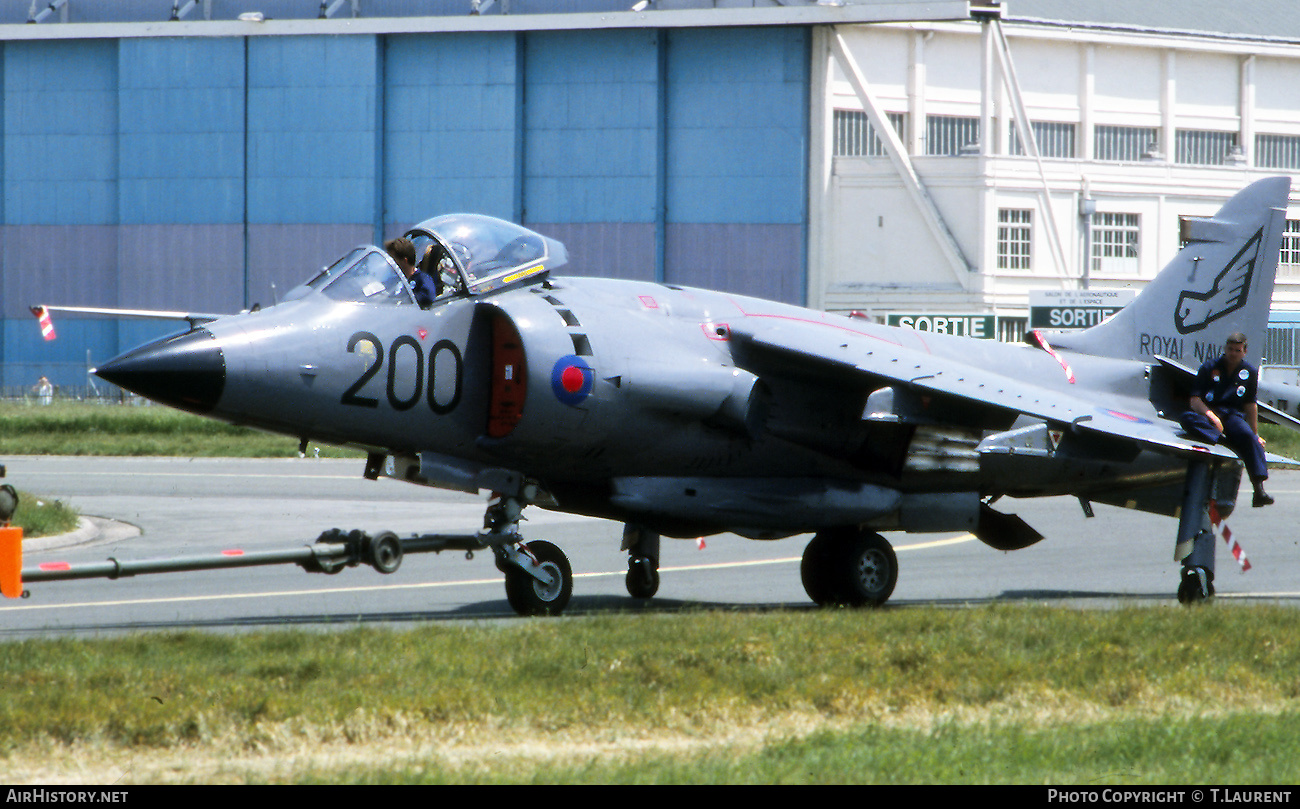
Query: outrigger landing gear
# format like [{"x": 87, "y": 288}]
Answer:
[{"x": 1195, "y": 546}]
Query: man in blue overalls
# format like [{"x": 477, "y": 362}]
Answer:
[
  {"x": 402, "y": 251},
  {"x": 1224, "y": 410}
]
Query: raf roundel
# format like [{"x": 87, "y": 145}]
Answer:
[{"x": 572, "y": 379}]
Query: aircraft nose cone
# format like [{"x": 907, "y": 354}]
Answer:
[{"x": 186, "y": 371}]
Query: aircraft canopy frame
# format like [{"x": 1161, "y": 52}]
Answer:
[{"x": 484, "y": 253}]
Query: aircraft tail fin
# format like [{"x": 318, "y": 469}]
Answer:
[{"x": 1221, "y": 282}]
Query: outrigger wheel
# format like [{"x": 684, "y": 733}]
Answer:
[
  {"x": 847, "y": 567},
  {"x": 1197, "y": 585}
]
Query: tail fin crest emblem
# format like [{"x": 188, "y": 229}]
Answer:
[{"x": 1228, "y": 293}]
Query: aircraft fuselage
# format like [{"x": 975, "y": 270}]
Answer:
[{"x": 619, "y": 396}]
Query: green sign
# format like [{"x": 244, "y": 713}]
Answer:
[
  {"x": 982, "y": 326},
  {"x": 1075, "y": 308}
]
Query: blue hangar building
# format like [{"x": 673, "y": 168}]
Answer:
[{"x": 209, "y": 155}]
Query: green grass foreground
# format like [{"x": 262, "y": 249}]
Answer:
[
  {"x": 1003, "y": 694},
  {"x": 77, "y": 428},
  {"x": 39, "y": 517}
]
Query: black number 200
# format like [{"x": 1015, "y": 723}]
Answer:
[{"x": 406, "y": 349}]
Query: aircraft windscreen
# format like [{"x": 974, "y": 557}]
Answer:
[
  {"x": 372, "y": 278},
  {"x": 334, "y": 269}
]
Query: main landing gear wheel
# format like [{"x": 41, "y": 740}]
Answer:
[
  {"x": 642, "y": 546},
  {"x": 849, "y": 568},
  {"x": 530, "y": 596},
  {"x": 642, "y": 577}
]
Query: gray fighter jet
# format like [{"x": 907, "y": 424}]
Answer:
[{"x": 683, "y": 412}]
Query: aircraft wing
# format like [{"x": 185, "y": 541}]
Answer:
[{"x": 866, "y": 359}]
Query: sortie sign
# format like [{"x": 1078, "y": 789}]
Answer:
[
  {"x": 1075, "y": 308},
  {"x": 961, "y": 325}
]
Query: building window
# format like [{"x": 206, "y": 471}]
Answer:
[
  {"x": 1054, "y": 139},
  {"x": 1125, "y": 143},
  {"x": 854, "y": 136},
  {"x": 1115, "y": 243},
  {"x": 950, "y": 135},
  {"x": 1277, "y": 152},
  {"x": 1203, "y": 147},
  {"x": 1280, "y": 349},
  {"x": 1288, "y": 261},
  {"x": 1014, "y": 230}
]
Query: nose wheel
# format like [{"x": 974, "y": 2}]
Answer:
[{"x": 540, "y": 581}]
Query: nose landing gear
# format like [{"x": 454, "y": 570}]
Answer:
[{"x": 539, "y": 580}]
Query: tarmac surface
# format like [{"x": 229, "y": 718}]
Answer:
[{"x": 148, "y": 508}]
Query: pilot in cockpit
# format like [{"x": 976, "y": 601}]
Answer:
[
  {"x": 423, "y": 284},
  {"x": 437, "y": 264}
]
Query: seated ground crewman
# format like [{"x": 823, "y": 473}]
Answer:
[{"x": 1224, "y": 410}]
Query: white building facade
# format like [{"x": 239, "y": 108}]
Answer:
[{"x": 1033, "y": 155}]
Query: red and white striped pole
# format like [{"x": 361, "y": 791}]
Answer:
[
  {"x": 1224, "y": 531},
  {"x": 47, "y": 325}
]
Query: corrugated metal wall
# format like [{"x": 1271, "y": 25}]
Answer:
[{"x": 196, "y": 173}]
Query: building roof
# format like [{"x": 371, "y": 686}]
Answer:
[{"x": 1273, "y": 20}]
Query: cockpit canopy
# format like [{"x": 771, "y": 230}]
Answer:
[
  {"x": 486, "y": 253},
  {"x": 465, "y": 254}
]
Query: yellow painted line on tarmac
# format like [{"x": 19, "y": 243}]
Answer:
[
  {"x": 267, "y": 594},
  {"x": 495, "y": 580},
  {"x": 916, "y": 546},
  {"x": 143, "y": 474}
]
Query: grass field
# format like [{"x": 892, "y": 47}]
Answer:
[
  {"x": 1002, "y": 694},
  {"x": 40, "y": 517},
  {"x": 75, "y": 428}
]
